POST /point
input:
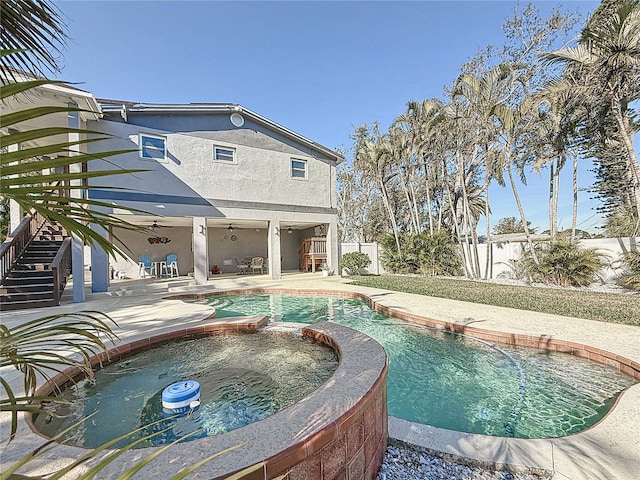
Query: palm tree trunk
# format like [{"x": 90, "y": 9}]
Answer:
[
  {"x": 457, "y": 227},
  {"x": 552, "y": 197},
  {"x": 415, "y": 207},
  {"x": 392, "y": 217},
  {"x": 523, "y": 217},
  {"x": 428, "y": 186},
  {"x": 574, "y": 217},
  {"x": 488, "y": 268}
]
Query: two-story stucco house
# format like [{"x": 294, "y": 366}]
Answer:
[{"x": 227, "y": 183}]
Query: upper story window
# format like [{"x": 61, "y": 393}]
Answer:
[
  {"x": 152, "y": 147},
  {"x": 298, "y": 168},
  {"x": 224, "y": 154}
]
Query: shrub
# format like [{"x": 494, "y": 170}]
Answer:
[
  {"x": 432, "y": 255},
  {"x": 353, "y": 262},
  {"x": 561, "y": 263},
  {"x": 631, "y": 277}
]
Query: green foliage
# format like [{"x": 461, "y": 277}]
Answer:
[
  {"x": 605, "y": 307},
  {"x": 631, "y": 277},
  {"x": 561, "y": 263},
  {"x": 511, "y": 225},
  {"x": 354, "y": 262},
  {"x": 26, "y": 171},
  {"x": 39, "y": 349},
  {"x": 623, "y": 222},
  {"x": 435, "y": 254}
]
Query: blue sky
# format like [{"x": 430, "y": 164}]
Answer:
[{"x": 318, "y": 68}]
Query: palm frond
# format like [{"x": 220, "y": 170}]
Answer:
[{"x": 34, "y": 31}]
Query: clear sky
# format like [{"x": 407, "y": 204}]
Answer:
[{"x": 318, "y": 68}]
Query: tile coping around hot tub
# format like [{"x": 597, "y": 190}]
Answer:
[{"x": 339, "y": 414}]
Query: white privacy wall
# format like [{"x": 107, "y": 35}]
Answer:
[{"x": 504, "y": 252}]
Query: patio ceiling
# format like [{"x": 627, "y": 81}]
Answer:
[{"x": 148, "y": 220}]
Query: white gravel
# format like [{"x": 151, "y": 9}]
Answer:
[{"x": 409, "y": 462}]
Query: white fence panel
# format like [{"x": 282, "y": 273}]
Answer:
[
  {"x": 504, "y": 252},
  {"x": 371, "y": 249}
]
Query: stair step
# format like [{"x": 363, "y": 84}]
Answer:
[
  {"x": 27, "y": 288},
  {"x": 50, "y": 238},
  {"x": 25, "y": 296},
  {"x": 49, "y": 247},
  {"x": 31, "y": 267},
  {"x": 27, "y": 275},
  {"x": 21, "y": 305},
  {"x": 34, "y": 260},
  {"x": 30, "y": 284}
]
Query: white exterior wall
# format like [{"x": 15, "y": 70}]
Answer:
[
  {"x": 189, "y": 183},
  {"x": 260, "y": 175},
  {"x": 504, "y": 252}
]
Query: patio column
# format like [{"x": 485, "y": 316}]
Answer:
[
  {"x": 275, "y": 266},
  {"x": 200, "y": 251},
  {"x": 15, "y": 211},
  {"x": 77, "y": 246},
  {"x": 332, "y": 246},
  {"x": 77, "y": 269},
  {"x": 99, "y": 264}
]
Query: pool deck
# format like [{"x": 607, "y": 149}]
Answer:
[{"x": 609, "y": 450}]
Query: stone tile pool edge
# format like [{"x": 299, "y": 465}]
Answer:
[{"x": 609, "y": 449}]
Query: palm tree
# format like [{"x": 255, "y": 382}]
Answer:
[
  {"x": 31, "y": 163},
  {"x": 35, "y": 33},
  {"x": 512, "y": 122},
  {"x": 412, "y": 129},
  {"x": 374, "y": 157},
  {"x": 559, "y": 111},
  {"x": 609, "y": 52},
  {"x": 482, "y": 94}
]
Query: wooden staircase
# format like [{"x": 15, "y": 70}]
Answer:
[{"x": 35, "y": 262}]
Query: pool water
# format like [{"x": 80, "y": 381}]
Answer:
[
  {"x": 243, "y": 378},
  {"x": 458, "y": 382}
]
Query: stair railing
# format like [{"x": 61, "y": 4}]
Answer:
[
  {"x": 61, "y": 268},
  {"x": 14, "y": 245}
]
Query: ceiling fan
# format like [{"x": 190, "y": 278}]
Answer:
[{"x": 155, "y": 226}]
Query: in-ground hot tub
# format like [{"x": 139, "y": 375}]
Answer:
[{"x": 340, "y": 427}]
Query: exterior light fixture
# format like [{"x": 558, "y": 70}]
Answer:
[
  {"x": 289, "y": 230},
  {"x": 203, "y": 230},
  {"x": 230, "y": 228}
]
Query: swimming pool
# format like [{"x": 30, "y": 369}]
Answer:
[{"x": 458, "y": 382}]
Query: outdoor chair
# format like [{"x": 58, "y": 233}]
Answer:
[
  {"x": 144, "y": 264},
  {"x": 256, "y": 264},
  {"x": 243, "y": 267},
  {"x": 169, "y": 267}
]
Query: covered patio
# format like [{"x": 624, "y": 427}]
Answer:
[{"x": 218, "y": 246}]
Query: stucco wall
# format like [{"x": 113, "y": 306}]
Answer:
[
  {"x": 261, "y": 174},
  {"x": 504, "y": 252}
]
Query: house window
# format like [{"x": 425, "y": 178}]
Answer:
[
  {"x": 152, "y": 147},
  {"x": 298, "y": 168},
  {"x": 224, "y": 154}
]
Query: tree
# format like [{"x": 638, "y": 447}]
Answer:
[
  {"x": 374, "y": 156},
  {"x": 508, "y": 225},
  {"x": 606, "y": 64}
]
